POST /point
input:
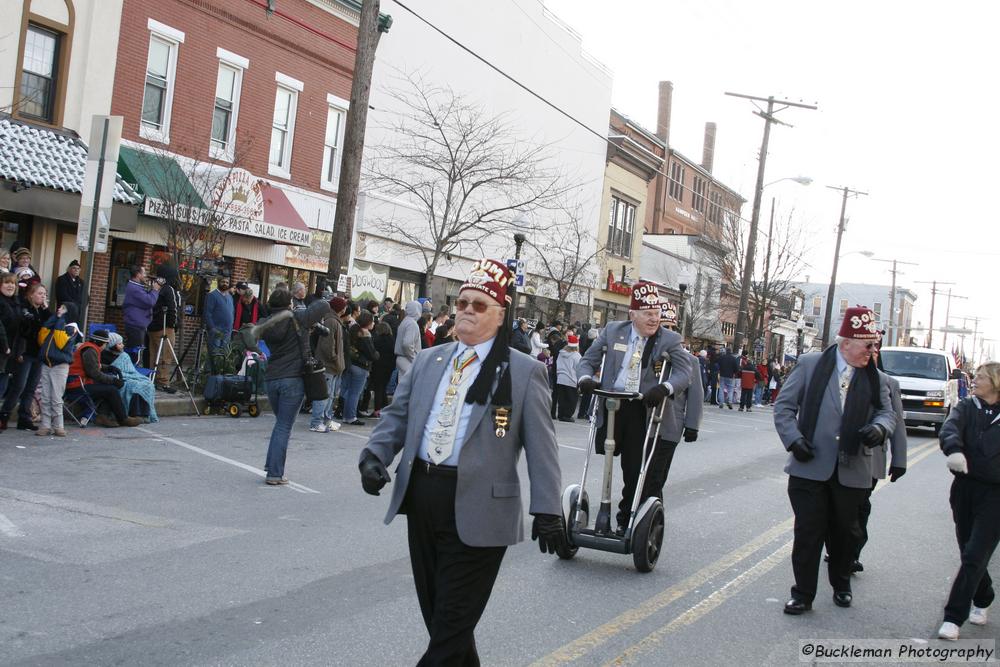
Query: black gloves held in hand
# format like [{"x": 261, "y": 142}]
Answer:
[
  {"x": 587, "y": 385},
  {"x": 373, "y": 474},
  {"x": 872, "y": 435},
  {"x": 690, "y": 434},
  {"x": 895, "y": 473},
  {"x": 119, "y": 383},
  {"x": 550, "y": 531},
  {"x": 802, "y": 450},
  {"x": 655, "y": 395}
]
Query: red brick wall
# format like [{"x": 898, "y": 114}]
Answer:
[{"x": 271, "y": 44}]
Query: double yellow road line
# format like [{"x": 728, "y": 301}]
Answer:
[{"x": 580, "y": 647}]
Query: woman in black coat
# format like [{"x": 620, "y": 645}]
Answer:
[
  {"x": 10, "y": 321},
  {"x": 363, "y": 354},
  {"x": 383, "y": 367},
  {"x": 970, "y": 437}
]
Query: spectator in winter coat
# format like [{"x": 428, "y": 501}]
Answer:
[
  {"x": 566, "y": 378},
  {"x": 102, "y": 386},
  {"x": 163, "y": 324},
  {"x": 58, "y": 338},
  {"x": 248, "y": 309},
  {"x": 383, "y": 367},
  {"x": 426, "y": 336},
  {"x": 536, "y": 340},
  {"x": 520, "y": 340},
  {"x": 34, "y": 312},
  {"x": 138, "y": 307},
  {"x": 729, "y": 378},
  {"x": 363, "y": 355},
  {"x": 748, "y": 380},
  {"x": 70, "y": 287},
  {"x": 445, "y": 333},
  {"x": 10, "y": 321},
  {"x": 408, "y": 339},
  {"x": 218, "y": 317},
  {"x": 5, "y": 260},
  {"x": 329, "y": 350}
]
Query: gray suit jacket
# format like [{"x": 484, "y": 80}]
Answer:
[
  {"x": 614, "y": 339},
  {"x": 858, "y": 471},
  {"x": 488, "y": 495},
  {"x": 687, "y": 406},
  {"x": 897, "y": 441}
]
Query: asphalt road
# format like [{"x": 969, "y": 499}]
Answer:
[{"x": 162, "y": 546}]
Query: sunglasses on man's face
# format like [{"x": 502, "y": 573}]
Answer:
[{"x": 478, "y": 306}]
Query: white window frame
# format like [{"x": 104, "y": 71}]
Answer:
[
  {"x": 293, "y": 86},
  {"x": 338, "y": 105},
  {"x": 238, "y": 64},
  {"x": 173, "y": 38}
]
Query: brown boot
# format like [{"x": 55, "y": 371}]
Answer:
[
  {"x": 132, "y": 421},
  {"x": 105, "y": 421}
]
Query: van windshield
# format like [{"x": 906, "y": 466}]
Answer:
[{"x": 914, "y": 364}]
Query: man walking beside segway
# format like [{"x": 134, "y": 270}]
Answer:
[
  {"x": 633, "y": 356},
  {"x": 833, "y": 410},
  {"x": 461, "y": 415}
]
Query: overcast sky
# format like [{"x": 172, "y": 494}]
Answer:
[{"x": 907, "y": 109}]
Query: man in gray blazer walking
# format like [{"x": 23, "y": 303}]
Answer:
[
  {"x": 832, "y": 412},
  {"x": 461, "y": 429},
  {"x": 634, "y": 353}
]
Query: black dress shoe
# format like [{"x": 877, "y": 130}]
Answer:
[
  {"x": 26, "y": 426},
  {"x": 842, "y": 598},
  {"x": 856, "y": 566},
  {"x": 796, "y": 607}
]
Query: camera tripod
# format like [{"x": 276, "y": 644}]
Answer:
[{"x": 177, "y": 369}]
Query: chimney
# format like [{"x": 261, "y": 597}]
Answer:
[
  {"x": 708, "y": 150},
  {"x": 663, "y": 111}
]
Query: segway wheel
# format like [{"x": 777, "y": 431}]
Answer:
[
  {"x": 647, "y": 539},
  {"x": 234, "y": 410},
  {"x": 208, "y": 410},
  {"x": 253, "y": 410}
]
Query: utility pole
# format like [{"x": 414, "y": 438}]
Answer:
[
  {"x": 947, "y": 316},
  {"x": 934, "y": 292},
  {"x": 836, "y": 258},
  {"x": 893, "y": 331},
  {"x": 768, "y": 116},
  {"x": 370, "y": 29}
]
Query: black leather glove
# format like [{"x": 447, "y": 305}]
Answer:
[
  {"x": 690, "y": 434},
  {"x": 373, "y": 474},
  {"x": 119, "y": 383},
  {"x": 587, "y": 385},
  {"x": 872, "y": 435},
  {"x": 802, "y": 450},
  {"x": 655, "y": 395},
  {"x": 895, "y": 473},
  {"x": 550, "y": 531}
]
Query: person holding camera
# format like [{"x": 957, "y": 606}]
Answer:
[
  {"x": 218, "y": 319},
  {"x": 140, "y": 297},
  {"x": 163, "y": 325},
  {"x": 100, "y": 383}
]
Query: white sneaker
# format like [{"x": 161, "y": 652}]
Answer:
[
  {"x": 948, "y": 631},
  {"x": 978, "y": 615},
  {"x": 319, "y": 429},
  {"x": 332, "y": 426}
]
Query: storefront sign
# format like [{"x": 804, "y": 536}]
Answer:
[
  {"x": 616, "y": 286},
  {"x": 225, "y": 222},
  {"x": 314, "y": 257},
  {"x": 368, "y": 281},
  {"x": 238, "y": 193}
]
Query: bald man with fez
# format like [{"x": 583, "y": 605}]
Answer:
[
  {"x": 834, "y": 411},
  {"x": 635, "y": 354},
  {"x": 462, "y": 416}
]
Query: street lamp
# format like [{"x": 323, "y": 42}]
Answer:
[
  {"x": 799, "y": 327},
  {"x": 684, "y": 279},
  {"x": 801, "y": 180},
  {"x": 519, "y": 240}
]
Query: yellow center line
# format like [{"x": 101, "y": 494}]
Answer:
[
  {"x": 579, "y": 647},
  {"x": 734, "y": 586}
]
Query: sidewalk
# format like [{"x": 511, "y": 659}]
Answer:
[{"x": 179, "y": 404}]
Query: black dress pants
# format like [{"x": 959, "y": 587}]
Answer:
[
  {"x": 865, "y": 511},
  {"x": 567, "y": 397},
  {"x": 975, "y": 506},
  {"x": 630, "y": 431},
  {"x": 746, "y": 399},
  {"x": 824, "y": 512},
  {"x": 109, "y": 396},
  {"x": 453, "y": 580}
]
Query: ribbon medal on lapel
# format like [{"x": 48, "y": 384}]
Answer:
[
  {"x": 501, "y": 419},
  {"x": 658, "y": 367}
]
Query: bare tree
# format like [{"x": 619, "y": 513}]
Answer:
[
  {"x": 466, "y": 171},
  {"x": 777, "y": 264},
  {"x": 565, "y": 254}
]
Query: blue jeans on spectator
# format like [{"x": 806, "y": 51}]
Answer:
[
  {"x": 21, "y": 389},
  {"x": 322, "y": 411},
  {"x": 756, "y": 393},
  {"x": 285, "y": 396},
  {"x": 354, "y": 381},
  {"x": 729, "y": 391},
  {"x": 216, "y": 341}
]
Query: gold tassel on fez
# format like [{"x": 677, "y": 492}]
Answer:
[{"x": 501, "y": 419}]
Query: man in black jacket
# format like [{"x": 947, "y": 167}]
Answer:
[
  {"x": 69, "y": 286},
  {"x": 164, "y": 324},
  {"x": 100, "y": 385},
  {"x": 729, "y": 378},
  {"x": 519, "y": 340}
]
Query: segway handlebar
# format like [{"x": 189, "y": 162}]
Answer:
[{"x": 623, "y": 395}]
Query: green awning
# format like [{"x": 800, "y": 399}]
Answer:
[{"x": 158, "y": 176}]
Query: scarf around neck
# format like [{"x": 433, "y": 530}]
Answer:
[{"x": 862, "y": 395}]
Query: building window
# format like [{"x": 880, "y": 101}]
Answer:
[
  {"x": 676, "y": 189},
  {"x": 39, "y": 71},
  {"x": 698, "y": 196},
  {"x": 817, "y": 305},
  {"x": 227, "y": 104},
  {"x": 715, "y": 208},
  {"x": 843, "y": 306},
  {"x": 335, "y": 117},
  {"x": 283, "y": 125},
  {"x": 621, "y": 228},
  {"x": 161, "y": 66}
]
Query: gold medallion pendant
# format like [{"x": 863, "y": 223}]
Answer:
[{"x": 501, "y": 419}]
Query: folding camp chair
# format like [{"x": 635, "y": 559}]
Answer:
[{"x": 78, "y": 397}]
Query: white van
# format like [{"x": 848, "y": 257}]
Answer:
[{"x": 924, "y": 377}]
